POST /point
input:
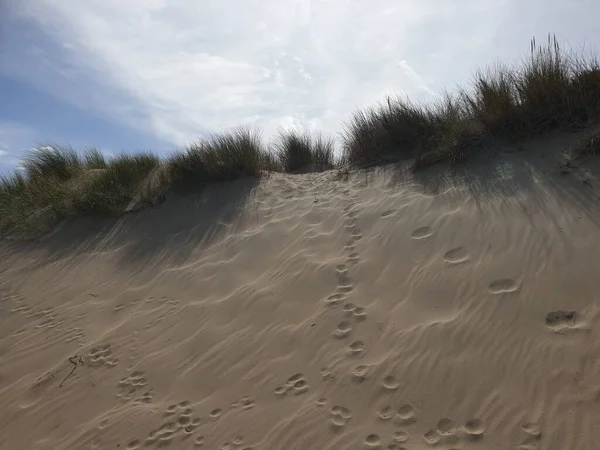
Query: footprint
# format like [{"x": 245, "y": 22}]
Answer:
[
  {"x": 474, "y": 428},
  {"x": 389, "y": 213},
  {"x": 199, "y": 442},
  {"x": 431, "y": 437},
  {"x": 405, "y": 415},
  {"x": 359, "y": 314},
  {"x": 128, "y": 386},
  {"x": 390, "y": 383},
  {"x": 503, "y": 286},
  {"x": 335, "y": 300},
  {"x": 163, "y": 436},
  {"x": 146, "y": 397},
  {"x": 356, "y": 348},
  {"x": 446, "y": 427},
  {"x": 456, "y": 255},
  {"x": 373, "y": 440},
  {"x": 422, "y": 233},
  {"x": 557, "y": 320},
  {"x": 280, "y": 391},
  {"x": 534, "y": 435},
  {"x": 359, "y": 373},
  {"x": 297, "y": 383},
  {"x": 343, "y": 330},
  {"x": 353, "y": 257},
  {"x": 401, "y": 436},
  {"x": 340, "y": 416},
  {"x": 349, "y": 309},
  {"x": 215, "y": 414},
  {"x": 385, "y": 413}
]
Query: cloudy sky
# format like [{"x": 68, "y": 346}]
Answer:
[{"x": 155, "y": 74}]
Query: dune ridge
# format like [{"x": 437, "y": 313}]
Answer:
[{"x": 454, "y": 308}]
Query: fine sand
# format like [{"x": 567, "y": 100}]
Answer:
[{"x": 373, "y": 309}]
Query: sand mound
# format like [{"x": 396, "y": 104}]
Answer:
[{"x": 381, "y": 310}]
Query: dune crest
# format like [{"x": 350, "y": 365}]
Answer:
[{"x": 386, "y": 310}]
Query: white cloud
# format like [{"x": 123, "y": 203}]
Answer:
[
  {"x": 180, "y": 67},
  {"x": 3, "y": 152}
]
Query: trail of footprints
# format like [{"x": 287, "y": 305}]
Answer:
[{"x": 182, "y": 423}]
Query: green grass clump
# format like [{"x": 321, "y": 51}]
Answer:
[
  {"x": 550, "y": 90},
  {"x": 57, "y": 182},
  {"x": 297, "y": 151},
  {"x": 109, "y": 190},
  {"x": 220, "y": 157}
]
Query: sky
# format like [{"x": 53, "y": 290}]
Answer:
[{"x": 127, "y": 75}]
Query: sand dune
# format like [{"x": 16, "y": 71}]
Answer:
[{"x": 375, "y": 310}]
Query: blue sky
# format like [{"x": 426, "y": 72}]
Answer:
[{"x": 127, "y": 75}]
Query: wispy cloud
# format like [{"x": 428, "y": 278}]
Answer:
[{"x": 179, "y": 68}]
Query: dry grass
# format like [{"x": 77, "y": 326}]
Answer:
[
  {"x": 296, "y": 152},
  {"x": 550, "y": 90}
]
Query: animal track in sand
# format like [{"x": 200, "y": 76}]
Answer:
[
  {"x": 474, "y": 428},
  {"x": 446, "y": 427},
  {"x": 129, "y": 385},
  {"x": 162, "y": 436},
  {"x": 359, "y": 313},
  {"x": 146, "y": 397},
  {"x": 431, "y": 437},
  {"x": 359, "y": 373},
  {"x": 335, "y": 300},
  {"x": 558, "y": 320},
  {"x": 503, "y": 286},
  {"x": 340, "y": 416},
  {"x": 349, "y": 309},
  {"x": 385, "y": 413},
  {"x": 422, "y": 233},
  {"x": 245, "y": 403},
  {"x": 199, "y": 441},
  {"x": 356, "y": 347},
  {"x": 405, "y": 415},
  {"x": 532, "y": 438},
  {"x": 373, "y": 440},
  {"x": 343, "y": 330},
  {"x": 184, "y": 418},
  {"x": 389, "y": 213},
  {"x": 102, "y": 356},
  {"x": 353, "y": 257},
  {"x": 456, "y": 255},
  {"x": 390, "y": 383},
  {"x": 297, "y": 384},
  {"x": 401, "y": 436}
]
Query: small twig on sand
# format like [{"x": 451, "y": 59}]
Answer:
[{"x": 75, "y": 360}]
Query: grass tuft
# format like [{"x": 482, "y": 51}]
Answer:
[
  {"x": 552, "y": 89},
  {"x": 296, "y": 152},
  {"x": 220, "y": 157}
]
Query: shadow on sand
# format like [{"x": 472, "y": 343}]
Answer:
[{"x": 173, "y": 229}]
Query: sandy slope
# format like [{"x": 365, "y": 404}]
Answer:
[{"x": 311, "y": 312}]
